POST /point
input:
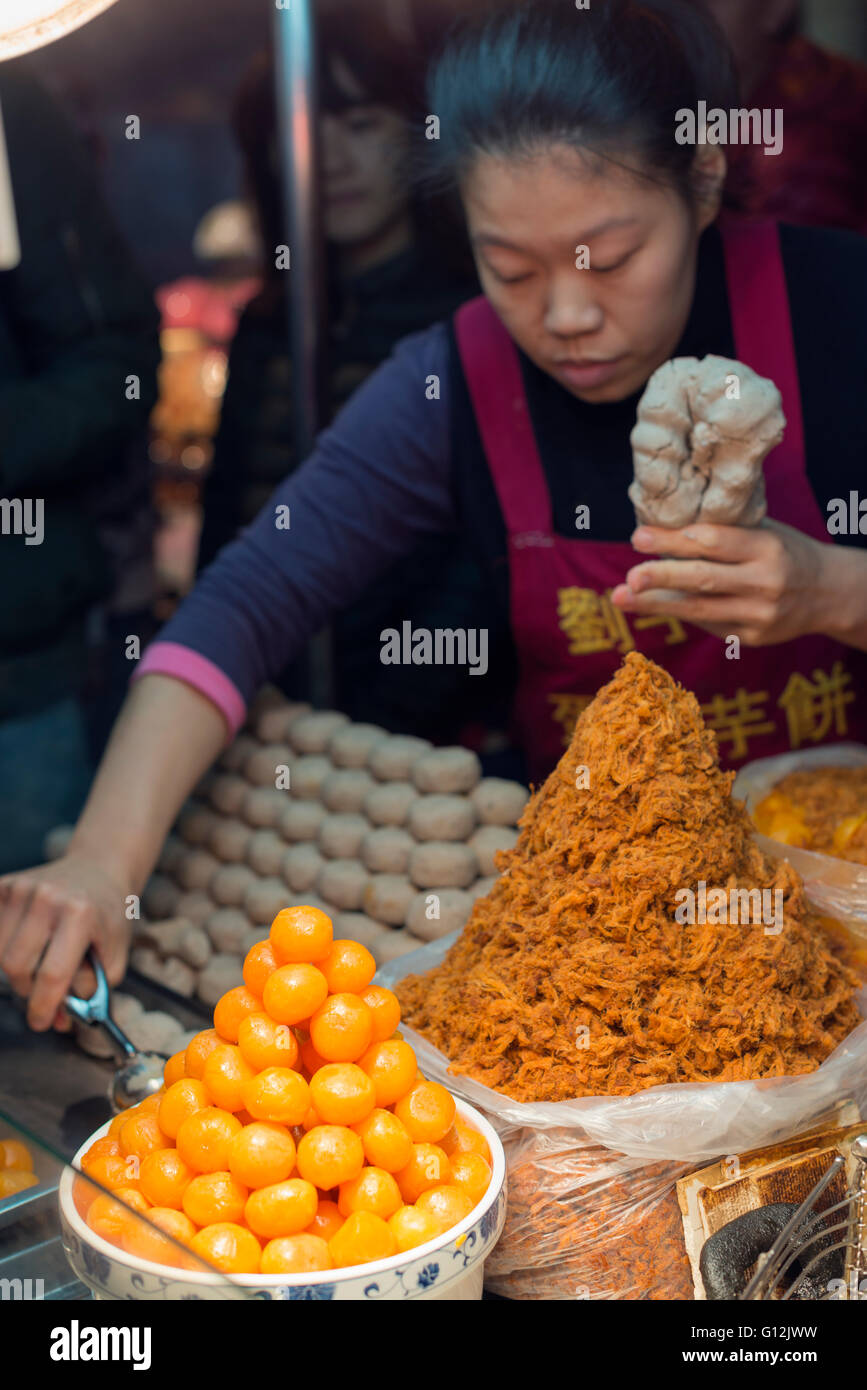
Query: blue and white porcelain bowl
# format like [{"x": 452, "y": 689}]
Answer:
[{"x": 450, "y": 1267}]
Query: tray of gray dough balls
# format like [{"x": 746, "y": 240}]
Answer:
[{"x": 393, "y": 838}]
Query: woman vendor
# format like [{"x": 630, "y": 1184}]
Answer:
[{"x": 511, "y": 423}]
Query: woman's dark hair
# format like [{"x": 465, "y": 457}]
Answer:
[{"x": 606, "y": 81}]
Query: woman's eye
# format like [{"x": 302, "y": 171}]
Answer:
[
  {"x": 512, "y": 279},
  {"x": 359, "y": 124},
  {"x": 606, "y": 269}
]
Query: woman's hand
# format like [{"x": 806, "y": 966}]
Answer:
[
  {"x": 764, "y": 585},
  {"x": 49, "y": 917}
]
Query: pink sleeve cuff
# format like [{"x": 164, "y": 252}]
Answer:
[{"x": 171, "y": 659}]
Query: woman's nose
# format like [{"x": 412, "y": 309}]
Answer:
[
  {"x": 572, "y": 308},
  {"x": 335, "y": 152}
]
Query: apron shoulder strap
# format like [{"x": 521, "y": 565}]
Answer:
[
  {"x": 761, "y": 317},
  {"x": 492, "y": 370}
]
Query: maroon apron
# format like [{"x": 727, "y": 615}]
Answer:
[{"x": 569, "y": 636}]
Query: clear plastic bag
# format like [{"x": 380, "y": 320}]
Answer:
[
  {"x": 836, "y": 887},
  {"x": 593, "y": 1210}
]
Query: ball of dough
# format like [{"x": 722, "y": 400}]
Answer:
[
  {"x": 197, "y": 870},
  {"x": 353, "y": 745},
  {"x": 482, "y": 886},
  {"x": 345, "y": 791},
  {"x": 387, "y": 898},
  {"x": 342, "y": 883},
  {"x": 301, "y": 867},
  {"x": 262, "y": 807},
  {"x": 442, "y": 818},
  {"x": 93, "y": 1040},
  {"x": 227, "y": 793},
  {"x": 499, "y": 802},
  {"x": 234, "y": 757},
  {"x": 173, "y": 851},
  {"x": 196, "y": 907},
  {"x": 394, "y": 758},
  {"x": 437, "y": 912},
  {"x": 230, "y": 840},
  {"x": 340, "y": 837},
  {"x": 307, "y": 773},
  {"x": 393, "y": 944},
  {"x": 56, "y": 843},
  {"x": 221, "y": 974},
  {"x": 147, "y": 962},
  {"x": 274, "y": 723},
  {"x": 263, "y": 766},
  {"x": 442, "y": 864},
  {"x": 264, "y": 898},
  {"x": 387, "y": 850},
  {"x": 160, "y": 897},
  {"x": 312, "y": 733},
  {"x": 227, "y": 929},
  {"x": 391, "y": 803},
  {"x": 302, "y": 820},
  {"x": 265, "y": 852},
  {"x": 179, "y": 976},
  {"x": 230, "y": 883},
  {"x": 156, "y": 1032},
  {"x": 488, "y": 841},
  {"x": 124, "y": 1008},
  {"x": 195, "y": 824},
  {"x": 357, "y": 926},
  {"x": 194, "y": 947},
  {"x": 447, "y": 770}
]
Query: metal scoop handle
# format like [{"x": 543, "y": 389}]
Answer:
[{"x": 96, "y": 1008}]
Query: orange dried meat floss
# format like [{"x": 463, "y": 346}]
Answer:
[{"x": 578, "y": 936}]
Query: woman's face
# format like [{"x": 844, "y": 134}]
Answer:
[
  {"x": 364, "y": 151},
  {"x": 601, "y": 329}
]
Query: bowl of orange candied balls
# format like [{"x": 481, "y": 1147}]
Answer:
[{"x": 294, "y": 1149}]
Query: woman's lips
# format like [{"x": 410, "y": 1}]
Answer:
[{"x": 588, "y": 372}]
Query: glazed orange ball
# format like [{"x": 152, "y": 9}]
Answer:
[
  {"x": 373, "y": 1190},
  {"x": 341, "y": 1028},
  {"x": 392, "y": 1067},
  {"x": 428, "y": 1167},
  {"x": 14, "y": 1180},
  {"x": 197, "y": 1051},
  {"x": 294, "y": 992},
  {"x": 462, "y": 1138},
  {"x": 362, "y": 1237},
  {"x": 106, "y": 1147},
  {"x": 386, "y": 1141},
  {"x": 428, "y": 1111},
  {"x": 158, "y": 1245},
  {"x": 175, "y": 1068},
  {"x": 264, "y": 1043},
  {"x": 141, "y": 1135},
  {"x": 84, "y": 1194},
  {"x": 259, "y": 963},
  {"x": 310, "y": 1058},
  {"x": 277, "y": 1094},
  {"x": 327, "y": 1219},
  {"x": 225, "y": 1074},
  {"x": 164, "y": 1177},
  {"x": 342, "y": 1093},
  {"x": 14, "y": 1154},
  {"x": 213, "y": 1197},
  {"x": 230, "y": 1248},
  {"x": 113, "y": 1171},
  {"x": 301, "y": 935},
  {"x": 301, "y": 1254},
  {"x": 109, "y": 1217},
  {"x": 447, "y": 1205},
  {"x": 182, "y": 1099},
  {"x": 204, "y": 1139},
  {"x": 232, "y": 1009},
  {"x": 349, "y": 967},
  {"x": 151, "y": 1104},
  {"x": 473, "y": 1174},
  {"x": 262, "y": 1154},
  {"x": 412, "y": 1227},
  {"x": 385, "y": 1009},
  {"x": 330, "y": 1155},
  {"x": 283, "y": 1209}
]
